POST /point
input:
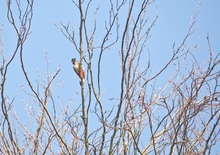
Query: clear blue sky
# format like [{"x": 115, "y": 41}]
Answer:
[{"x": 173, "y": 23}]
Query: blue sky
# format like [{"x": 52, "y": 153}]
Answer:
[
  {"x": 172, "y": 25},
  {"x": 174, "y": 18}
]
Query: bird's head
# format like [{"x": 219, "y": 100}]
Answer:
[{"x": 73, "y": 60}]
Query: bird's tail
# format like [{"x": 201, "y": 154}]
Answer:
[{"x": 82, "y": 81}]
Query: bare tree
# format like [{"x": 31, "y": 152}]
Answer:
[{"x": 179, "y": 115}]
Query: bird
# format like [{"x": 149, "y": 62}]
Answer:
[{"x": 79, "y": 69}]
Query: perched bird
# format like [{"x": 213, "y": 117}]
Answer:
[{"x": 78, "y": 68}]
